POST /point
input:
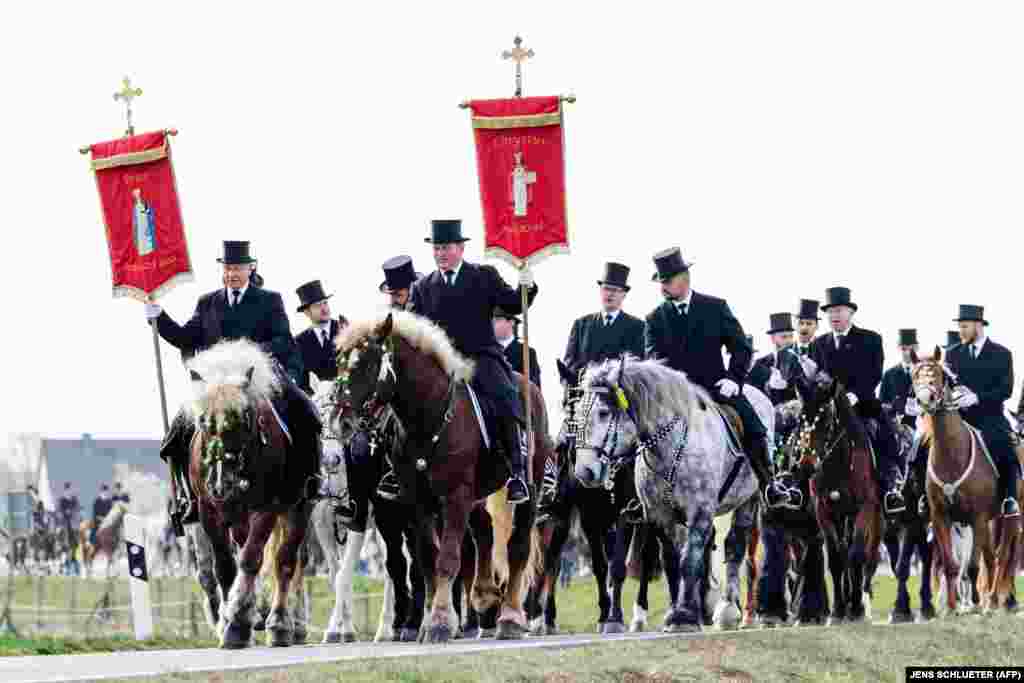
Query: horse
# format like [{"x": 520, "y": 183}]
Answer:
[
  {"x": 407, "y": 362},
  {"x": 243, "y": 466},
  {"x": 688, "y": 470},
  {"x": 963, "y": 487},
  {"x": 833, "y": 447},
  {"x": 402, "y": 610},
  {"x": 906, "y": 532},
  {"x": 108, "y": 538},
  {"x": 599, "y": 511}
]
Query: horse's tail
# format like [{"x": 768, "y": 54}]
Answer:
[
  {"x": 644, "y": 552},
  {"x": 503, "y": 522},
  {"x": 1008, "y": 552},
  {"x": 271, "y": 549}
]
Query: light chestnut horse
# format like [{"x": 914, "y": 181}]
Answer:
[
  {"x": 108, "y": 538},
  {"x": 962, "y": 486}
]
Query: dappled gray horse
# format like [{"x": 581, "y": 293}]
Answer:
[{"x": 687, "y": 470}]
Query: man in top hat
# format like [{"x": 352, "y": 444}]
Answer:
[
  {"x": 897, "y": 387},
  {"x": 854, "y": 356},
  {"x": 399, "y": 276},
  {"x": 460, "y": 298},
  {"x": 506, "y": 331},
  {"x": 952, "y": 339},
  {"x": 765, "y": 368},
  {"x": 68, "y": 506},
  {"x": 241, "y": 308},
  {"x": 688, "y": 331},
  {"x": 120, "y": 495},
  {"x": 100, "y": 509},
  {"x": 610, "y": 332},
  {"x": 316, "y": 343},
  {"x": 985, "y": 374},
  {"x": 806, "y": 325}
]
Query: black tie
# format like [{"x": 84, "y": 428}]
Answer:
[
  {"x": 235, "y": 293},
  {"x": 974, "y": 353},
  {"x": 325, "y": 334},
  {"x": 608, "y": 320},
  {"x": 682, "y": 310},
  {"x": 449, "y": 277}
]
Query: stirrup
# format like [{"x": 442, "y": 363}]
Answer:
[
  {"x": 634, "y": 512},
  {"x": 899, "y": 506},
  {"x": 389, "y": 488},
  {"x": 517, "y": 490},
  {"x": 1010, "y": 508}
]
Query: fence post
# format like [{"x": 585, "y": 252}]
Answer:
[
  {"x": 74, "y": 603},
  {"x": 159, "y": 606},
  {"x": 192, "y": 614},
  {"x": 39, "y": 603},
  {"x": 138, "y": 576},
  {"x": 184, "y": 608}
]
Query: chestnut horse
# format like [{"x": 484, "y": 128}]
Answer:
[
  {"x": 108, "y": 538},
  {"x": 963, "y": 486},
  {"x": 832, "y": 443},
  {"x": 407, "y": 362},
  {"x": 239, "y": 465}
]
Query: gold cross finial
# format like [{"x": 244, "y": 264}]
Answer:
[
  {"x": 518, "y": 55},
  {"x": 126, "y": 94}
]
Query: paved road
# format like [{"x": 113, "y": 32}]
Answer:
[{"x": 92, "y": 667}]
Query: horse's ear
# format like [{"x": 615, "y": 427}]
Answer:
[
  {"x": 195, "y": 376},
  {"x": 913, "y": 356},
  {"x": 248, "y": 377},
  {"x": 938, "y": 352},
  {"x": 385, "y": 329}
]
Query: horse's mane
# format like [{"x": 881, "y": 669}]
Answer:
[
  {"x": 655, "y": 391},
  {"x": 418, "y": 332},
  {"x": 225, "y": 366},
  {"x": 114, "y": 516}
]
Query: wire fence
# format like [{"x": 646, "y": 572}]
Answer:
[{"x": 77, "y": 607}]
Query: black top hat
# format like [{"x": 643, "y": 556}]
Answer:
[
  {"x": 445, "y": 231},
  {"x": 104, "y": 487},
  {"x": 952, "y": 338},
  {"x": 398, "y": 273},
  {"x": 616, "y": 275},
  {"x": 908, "y": 337},
  {"x": 780, "y": 322},
  {"x": 669, "y": 263},
  {"x": 500, "y": 312},
  {"x": 970, "y": 313},
  {"x": 838, "y": 296},
  {"x": 310, "y": 293},
  {"x": 236, "y": 253},
  {"x": 808, "y": 310}
]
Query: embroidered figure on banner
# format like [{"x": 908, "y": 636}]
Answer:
[
  {"x": 521, "y": 181},
  {"x": 144, "y": 224}
]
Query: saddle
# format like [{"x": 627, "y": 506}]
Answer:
[{"x": 733, "y": 424}]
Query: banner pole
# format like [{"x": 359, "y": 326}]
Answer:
[
  {"x": 527, "y": 397},
  {"x": 160, "y": 377}
]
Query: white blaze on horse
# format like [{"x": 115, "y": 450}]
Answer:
[{"x": 688, "y": 470}]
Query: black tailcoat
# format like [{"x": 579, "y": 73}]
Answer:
[{"x": 592, "y": 341}]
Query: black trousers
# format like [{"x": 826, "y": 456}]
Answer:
[
  {"x": 493, "y": 381},
  {"x": 999, "y": 439}
]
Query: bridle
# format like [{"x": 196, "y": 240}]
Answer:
[
  {"x": 923, "y": 377},
  {"x": 834, "y": 435},
  {"x": 215, "y": 454}
]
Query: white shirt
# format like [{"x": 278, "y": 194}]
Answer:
[
  {"x": 838, "y": 336},
  {"x": 978, "y": 345},
  {"x": 507, "y": 341},
  {"x": 231, "y": 295},
  {"x": 614, "y": 315},
  {"x": 324, "y": 328},
  {"x": 455, "y": 277},
  {"x": 683, "y": 305}
]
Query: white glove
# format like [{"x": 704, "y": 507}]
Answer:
[
  {"x": 852, "y": 398},
  {"x": 526, "y": 277},
  {"x": 913, "y": 408},
  {"x": 153, "y": 311},
  {"x": 810, "y": 368},
  {"x": 968, "y": 399},
  {"x": 727, "y": 388},
  {"x": 776, "y": 381}
]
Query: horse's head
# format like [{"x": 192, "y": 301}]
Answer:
[
  {"x": 819, "y": 422},
  {"x": 366, "y": 375},
  {"x": 571, "y": 394},
  {"x": 327, "y": 401},
  {"x": 932, "y": 381},
  {"x": 228, "y": 422},
  {"x": 607, "y": 424}
]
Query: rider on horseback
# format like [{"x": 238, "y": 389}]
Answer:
[
  {"x": 316, "y": 343},
  {"x": 984, "y": 370},
  {"x": 897, "y": 388},
  {"x": 240, "y": 309},
  {"x": 853, "y": 356},
  {"x": 460, "y": 298},
  {"x": 100, "y": 509},
  {"x": 688, "y": 331}
]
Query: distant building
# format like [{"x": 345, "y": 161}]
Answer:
[{"x": 46, "y": 461}]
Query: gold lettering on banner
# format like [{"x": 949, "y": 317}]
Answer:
[{"x": 519, "y": 140}]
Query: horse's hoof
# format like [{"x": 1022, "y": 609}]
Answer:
[
  {"x": 771, "y": 620},
  {"x": 236, "y": 637},
  {"x": 613, "y": 628},
  {"x": 349, "y": 637},
  {"x": 299, "y": 638},
  {"x": 409, "y": 635},
  {"x": 260, "y": 624},
  {"x": 331, "y": 638},
  {"x": 683, "y": 628},
  {"x": 279, "y": 637},
  {"x": 727, "y": 616},
  {"x": 836, "y": 621},
  {"x": 550, "y": 630},
  {"x": 900, "y": 616},
  {"x": 927, "y": 613},
  {"x": 811, "y": 621},
  {"x": 600, "y": 627},
  {"x": 439, "y": 633},
  {"x": 471, "y": 633},
  {"x": 486, "y": 633},
  {"x": 637, "y": 626},
  {"x": 509, "y": 630}
]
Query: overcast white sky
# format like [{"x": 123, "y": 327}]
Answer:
[{"x": 787, "y": 146}]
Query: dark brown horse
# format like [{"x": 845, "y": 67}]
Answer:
[
  {"x": 407, "y": 362},
  {"x": 246, "y": 491},
  {"x": 962, "y": 487},
  {"x": 832, "y": 443}
]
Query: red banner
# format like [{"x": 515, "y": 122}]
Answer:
[
  {"x": 139, "y": 199},
  {"x": 521, "y": 165}
]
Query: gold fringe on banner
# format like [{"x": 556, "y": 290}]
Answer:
[
  {"x": 130, "y": 159},
  {"x": 528, "y": 121}
]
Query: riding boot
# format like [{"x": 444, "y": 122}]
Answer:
[
  {"x": 514, "y": 441},
  {"x": 772, "y": 493},
  {"x": 389, "y": 487},
  {"x": 1009, "y": 476},
  {"x": 175, "y": 451},
  {"x": 549, "y": 498}
]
